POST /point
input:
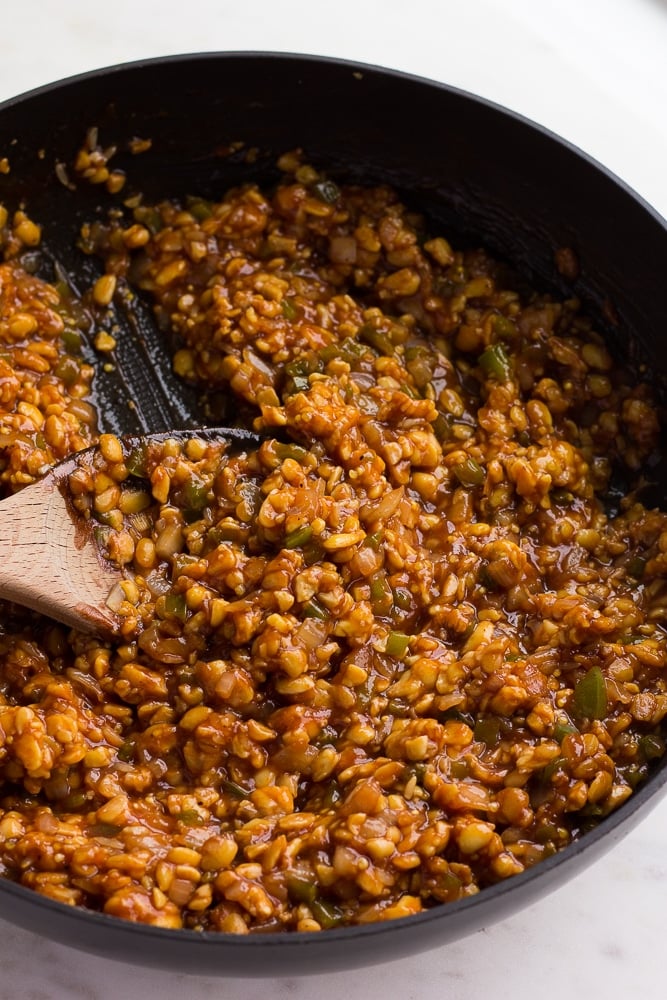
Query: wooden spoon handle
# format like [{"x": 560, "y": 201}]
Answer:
[{"x": 50, "y": 564}]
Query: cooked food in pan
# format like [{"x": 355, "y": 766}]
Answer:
[{"x": 409, "y": 646}]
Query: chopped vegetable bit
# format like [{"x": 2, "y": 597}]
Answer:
[
  {"x": 469, "y": 473},
  {"x": 175, "y": 605},
  {"x": 190, "y": 817},
  {"x": 298, "y": 537},
  {"x": 327, "y": 914},
  {"x": 289, "y": 309},
  {"x": 313, "y": 609},
  {"x": 652, "y": 745},
  {"x": 326, "y": 191},
  {"x": 487, "y": 730},
  {"x": 563, "y": 729},
  {"x": 495, "y": 363},
  {"x": 300, "y": 890},
  {"x": 397, "y": 644},
  {"x": 382, "y": 596},
  {"x": 377, "y": 339},
  {"x": 590, "y": 695},
  {"x": 234, "y": 789}
]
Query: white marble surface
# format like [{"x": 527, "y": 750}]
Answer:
[{"x": 594, "y": 71}]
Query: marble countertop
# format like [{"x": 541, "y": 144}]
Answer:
[{"x": 593, "y": 71}]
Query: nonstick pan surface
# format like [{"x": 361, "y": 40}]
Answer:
[{"x": 485, "y": 176}]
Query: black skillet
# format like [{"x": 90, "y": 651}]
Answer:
[{"x": 484, "y": 176}]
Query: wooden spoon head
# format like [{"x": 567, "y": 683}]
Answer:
[{"x": 50, "y": 560}]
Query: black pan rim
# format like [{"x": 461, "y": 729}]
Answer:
[{"x": 353, "y": 66}]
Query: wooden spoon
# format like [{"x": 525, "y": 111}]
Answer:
[{"x": 49, "y": 559}]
